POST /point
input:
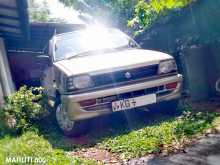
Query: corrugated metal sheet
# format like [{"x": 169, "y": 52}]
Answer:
[
  {"x": 40, "y": 34},
  {"x": 14, "y": 19}
]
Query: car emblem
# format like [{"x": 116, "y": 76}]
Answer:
[{"x": 128, "y": 75}]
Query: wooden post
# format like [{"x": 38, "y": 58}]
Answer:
[
  {"x": 1, "y": 96},
  {"x": 5, "y": 73}
]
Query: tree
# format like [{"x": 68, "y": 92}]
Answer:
[
  {"x": 147, "y": 12},
  {"x": 138, "y": 14},
  {"x": 116, "y": 12},
  {"x": 38, "y": 11}
]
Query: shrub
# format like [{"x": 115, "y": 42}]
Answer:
[
  {"x": 195, "y": 122},
  {"x": 23, "y": 109}
]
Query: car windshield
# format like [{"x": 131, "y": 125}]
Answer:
[{"x": 89, "y": 40}]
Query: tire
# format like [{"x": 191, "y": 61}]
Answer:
[
  {"x": 169, "y": 107},
  {"x": 67, "y": 126}
]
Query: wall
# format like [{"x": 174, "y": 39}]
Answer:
[
  {"x": 195, "y": 26},
  {"x": 197, "y": 23}
]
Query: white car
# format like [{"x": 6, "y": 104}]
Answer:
[{"x": 97, "y": 71}]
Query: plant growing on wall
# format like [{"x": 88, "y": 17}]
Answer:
[{"x": 147, "y": 12}]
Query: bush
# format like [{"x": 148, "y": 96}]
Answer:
[
  {"x": 23, "y": 110},
  {"x": 195, "y": 122}
]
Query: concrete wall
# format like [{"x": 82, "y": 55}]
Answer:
[
  {"x": 198, "y": 23},
  {"x": 198, "y": 77},
  {"x": 196, "y": 26},
  {"x": 5, "y": 73}
]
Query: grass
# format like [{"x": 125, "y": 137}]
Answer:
[
  {"x": 32, "y": 145},
  {"x": 163, "y": 136},
  {"x": 155, "y": 134},
  {"x": 55, "y": 137},
  {"x": 128, "y": 136}
]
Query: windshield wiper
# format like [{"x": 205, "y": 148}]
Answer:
[
  {"x": 80, "y": 55},
  {"x": 92, "y": 52}
]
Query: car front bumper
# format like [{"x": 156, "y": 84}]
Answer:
[{"x": 76, "y": 112}]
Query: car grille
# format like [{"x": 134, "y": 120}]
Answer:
[
  {"x": 124, "y": 75},
  {"x": 105, "y": 102}
]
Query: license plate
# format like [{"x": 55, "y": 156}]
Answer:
[{"x": 133, "y": 102}]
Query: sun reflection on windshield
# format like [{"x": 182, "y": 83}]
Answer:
[
  {"x": 97, "y": 37},
  {"x": 94, "y": 38}
]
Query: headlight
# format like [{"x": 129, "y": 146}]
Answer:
[
  {"x": 79, "y": 82},
  {"x": 167, "y": 66}
]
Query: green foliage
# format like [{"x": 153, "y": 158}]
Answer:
[
  {"x": 34, "y": 146},
  {"x": 23, "y": 109},
  {"x": 120, "y": 11},
  {"x": 38, "y": 11},
  {"x": 193, "y": 123},
  {"x": 144, "y": 16},
  {"x": 139, "y": 14},
  {"x": 163, "y": 5},
  {"x": 146, "y": 13},
  {"x": 164, "y": 136},
  {"x": 117, "y": 11}
]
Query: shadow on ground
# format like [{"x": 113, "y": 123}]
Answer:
[{"x": 107, "y": 126}]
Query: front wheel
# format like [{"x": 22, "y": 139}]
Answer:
[{"x": 67, "y": 126}]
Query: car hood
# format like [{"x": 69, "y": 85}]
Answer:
[{"x": 108, "y": 62}]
